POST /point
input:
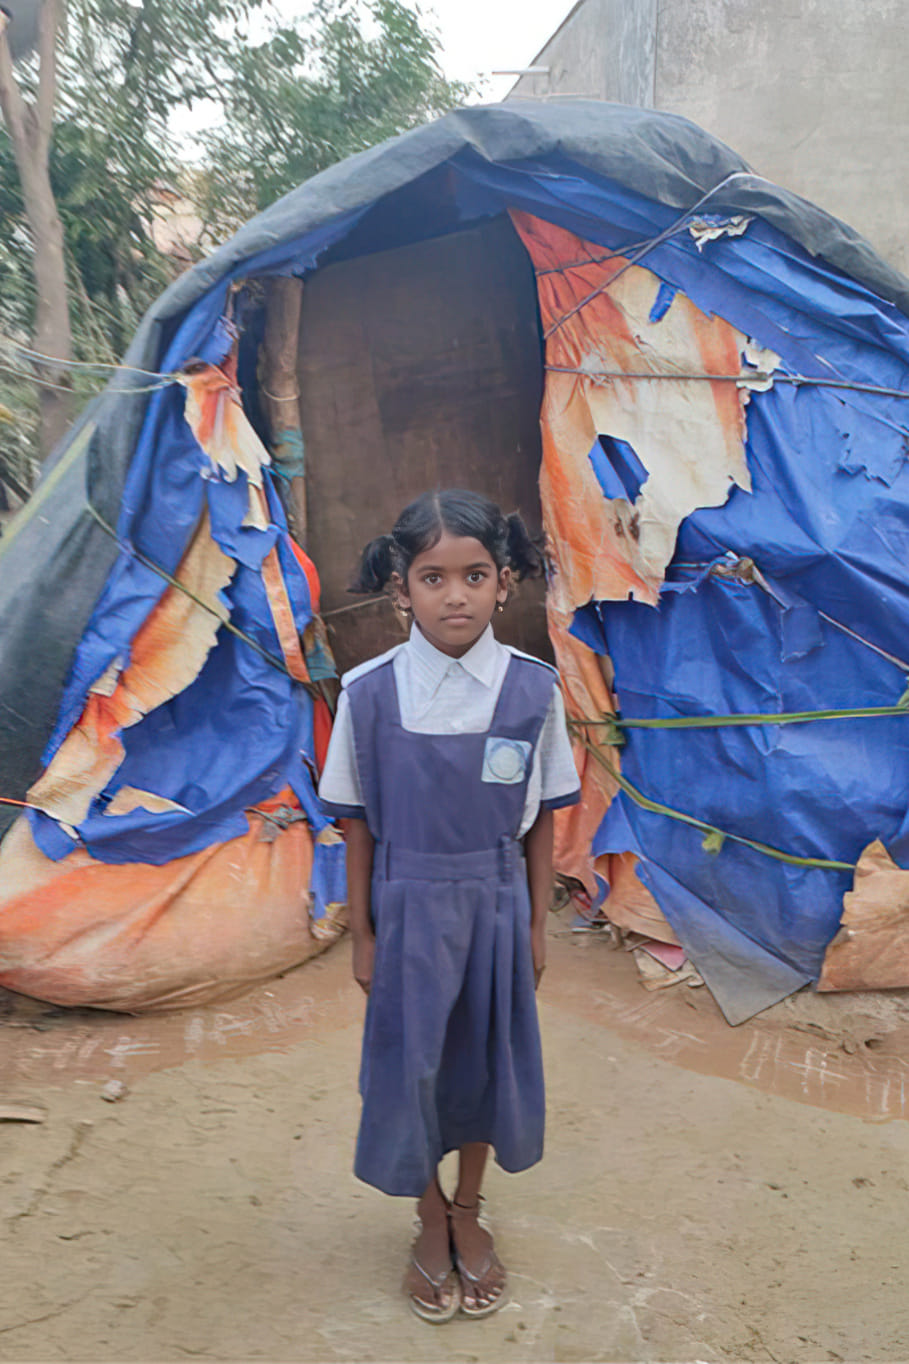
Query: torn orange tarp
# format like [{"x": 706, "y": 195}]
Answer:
[
  {"x": 688, "y": 434},
  {"x": 214, "y": 411},
  {"x": 604, "y": 358},
  {"x": 167, "y": 654},
  {"x": 871, "y": 948}
]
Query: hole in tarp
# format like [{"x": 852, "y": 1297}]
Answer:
[{"x": 618, "y": 470}]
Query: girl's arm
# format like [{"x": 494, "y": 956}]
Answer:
[
  {"x": 538, "y": 851},
  {"x": 360, "y": 844}
]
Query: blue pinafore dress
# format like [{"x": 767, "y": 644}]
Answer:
[{"x": 451, "y": 1044}]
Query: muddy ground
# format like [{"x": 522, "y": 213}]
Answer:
[{"x": 708, "y": 1193}]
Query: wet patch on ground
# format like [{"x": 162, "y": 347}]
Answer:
[{"x": 843, "y": 1053}]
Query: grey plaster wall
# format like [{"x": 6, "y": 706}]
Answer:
[
  {"x": 813, "y": 93},
  {"x": 605, "y": 49}
]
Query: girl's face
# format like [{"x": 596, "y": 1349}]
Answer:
[{"x": 452, "y": 590}]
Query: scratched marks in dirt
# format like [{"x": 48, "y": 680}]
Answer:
[
  {"x": 868, "y": 1086},
  {"x": 838, "y": 1065},
  {"x": 55, "y": 1046}
]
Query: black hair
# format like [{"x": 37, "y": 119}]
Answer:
[{"x": 421, "y": 524}]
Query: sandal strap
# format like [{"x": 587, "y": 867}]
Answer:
[
  {"x": 466, "y": 1209},
  {"x": 436, "y": 1283},
  {"x": 492, "y": 1262}
]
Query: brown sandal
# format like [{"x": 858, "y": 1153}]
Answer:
[{"x": 471, "y": 1280}]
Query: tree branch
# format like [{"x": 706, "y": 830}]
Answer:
[
  {"x": 48, "y": 29},
  {"x": 13, "y": 106},
  {"x": 135, "y": 39}
]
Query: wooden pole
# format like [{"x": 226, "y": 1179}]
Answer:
[{"x": 280, "y": 395}]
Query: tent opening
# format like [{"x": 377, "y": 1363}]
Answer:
[{"x": 418, "y": 367}]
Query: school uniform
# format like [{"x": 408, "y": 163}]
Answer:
[{"x": 449, "y": 761}]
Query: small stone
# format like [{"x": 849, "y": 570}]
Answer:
[{"x": 114, "y": 1090}]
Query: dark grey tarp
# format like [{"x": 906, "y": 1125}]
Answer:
[{"x": 55, "y": 558}]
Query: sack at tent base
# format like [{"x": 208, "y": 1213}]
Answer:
[{"x": 139, "y": 938}]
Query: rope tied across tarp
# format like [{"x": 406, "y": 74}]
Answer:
[
  {"x": 611, "y": 727},
  {"x": 714, "y": 837}
]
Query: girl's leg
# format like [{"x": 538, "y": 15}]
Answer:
[
  {"x": 482, "y": 1275},
  {"x": 429, "y": 1281},
  {"x": 471, "y": 1164}
]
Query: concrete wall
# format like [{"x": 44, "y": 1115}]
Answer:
[
  {"x": 605, "y": 49},
  {"x": 813, "y": 93}
]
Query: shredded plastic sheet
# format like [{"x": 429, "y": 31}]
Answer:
[
  {"x": 197, "y": 716},
  {"x": 824, "y": 521},
  {"x": 167, "y": 654},
  {"x": 686, "y": 438},
  {"x": 183, "y": 730},
  {"x": 686, "y": 435}
]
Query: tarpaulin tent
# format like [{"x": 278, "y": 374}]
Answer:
[{"x": 718, "y": 369}]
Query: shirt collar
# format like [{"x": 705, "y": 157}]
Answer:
[{"x": 479, "y": 661}]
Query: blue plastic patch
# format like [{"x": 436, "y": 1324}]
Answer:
[
  {"x": 663, "y": 302},
  {"x": 618, "y": 470}
]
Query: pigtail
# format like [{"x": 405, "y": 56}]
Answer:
[
  {"x": 377, "y": 563},
  {"x": 524, "y": 555}
]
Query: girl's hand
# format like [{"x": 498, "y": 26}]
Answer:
[
  {"x": 538, "y": 948},
  {"x": 364, "y": 951}
]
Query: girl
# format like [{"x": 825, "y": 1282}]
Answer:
[{"x": 448, "y": 756}]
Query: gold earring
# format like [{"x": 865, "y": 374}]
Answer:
[{"x": 500, "y": 606}]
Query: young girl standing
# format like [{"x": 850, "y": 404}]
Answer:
[{"x": 448, "y": 756}]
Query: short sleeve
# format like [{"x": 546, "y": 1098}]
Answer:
[
  {"x": 559, "y": 783},
  {"x": 339, "y": 788}
]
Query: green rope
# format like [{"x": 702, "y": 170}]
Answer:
[
  {"x": 714, "y": 838},
  {"x": 228, "y": 625},
  {"x": 614, "y": 723}
]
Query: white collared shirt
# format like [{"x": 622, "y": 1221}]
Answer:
[{"x": 442, "y": 695}]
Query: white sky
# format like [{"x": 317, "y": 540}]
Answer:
[{"x": 481, "y": 36}]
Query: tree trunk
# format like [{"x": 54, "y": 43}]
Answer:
[
  {"x": 52, "y": 335},
  {"x": 30, "y": 127}
]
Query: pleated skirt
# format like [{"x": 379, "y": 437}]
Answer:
[{"x": 451, "y": 1044}]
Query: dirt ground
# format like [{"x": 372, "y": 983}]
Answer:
[{"x": 708, "y": 1193}]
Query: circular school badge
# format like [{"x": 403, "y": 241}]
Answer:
[{"x": 505, "y": 760}]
